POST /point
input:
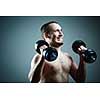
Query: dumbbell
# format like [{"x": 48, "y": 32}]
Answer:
[
  {"x": 50, "y": 54},
  {"x": 89, "y": 55}
]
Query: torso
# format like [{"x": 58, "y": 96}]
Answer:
[{"x": 56, "y": 71}]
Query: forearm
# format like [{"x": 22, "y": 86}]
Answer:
[
  {"x": 37, "y": 73},
  {"x": 81, "y": 71}
]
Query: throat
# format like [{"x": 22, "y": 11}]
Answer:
[
  {"x": 60, "y": 57},
  {"x": 56, "y": 45}
]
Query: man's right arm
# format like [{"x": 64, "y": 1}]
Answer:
[{"x": 36, "y": 66}]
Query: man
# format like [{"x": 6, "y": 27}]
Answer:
[{"x": 56, "y": 71}]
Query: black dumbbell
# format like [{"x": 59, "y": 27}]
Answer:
[
  {"x": 50, "y": 54},
  {"x": 88, "y": 55}
]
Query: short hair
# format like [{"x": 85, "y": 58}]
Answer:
[{"x": 45, "y": 27}]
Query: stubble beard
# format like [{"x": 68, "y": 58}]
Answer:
[{"x": 56, "y": 44}]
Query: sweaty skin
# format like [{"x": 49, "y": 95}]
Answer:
[{"x": 56, "y": 71}]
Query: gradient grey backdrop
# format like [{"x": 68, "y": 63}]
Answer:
[{"x": 18, "y": 35}]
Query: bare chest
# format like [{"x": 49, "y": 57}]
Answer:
[{"x": 61, "y": 65}]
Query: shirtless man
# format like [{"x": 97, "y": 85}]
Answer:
[{"x": 56, "y": 71}]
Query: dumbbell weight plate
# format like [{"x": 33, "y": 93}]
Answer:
[
  {"x": 50, "y": 54},
  {"x": 76, "y": 44},
  {"x": 40, "y": 43},
  {"x": 89, "y": 56}
]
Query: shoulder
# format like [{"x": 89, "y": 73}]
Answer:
[
  {"x": 72, "y": 60},
  {"x": 67, "y": 54}
]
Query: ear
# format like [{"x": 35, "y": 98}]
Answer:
[{"x": 45, "y": 35}]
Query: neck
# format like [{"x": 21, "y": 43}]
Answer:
[{"x": 57, "y": 47}]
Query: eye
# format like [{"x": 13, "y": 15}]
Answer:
[{"x": 59, "y": 30}]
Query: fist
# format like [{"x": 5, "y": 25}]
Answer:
[{"x": 81, "y": 49}]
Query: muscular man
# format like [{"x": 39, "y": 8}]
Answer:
[{"x": 58, "y": 70}]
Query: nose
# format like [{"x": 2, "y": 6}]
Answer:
[{"x": 61, "y": 33}]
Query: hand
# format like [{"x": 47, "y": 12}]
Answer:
[
  {"x": 80, "y": 52},
  {"x": 81, "y": 49},
  {"x": 42, "y": 48}
]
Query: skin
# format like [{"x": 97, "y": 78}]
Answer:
[{"x": 56, "y": 71}]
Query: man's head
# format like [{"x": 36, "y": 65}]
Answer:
[{"x": 52, "y": 33}]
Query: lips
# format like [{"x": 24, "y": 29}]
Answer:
[{"x": 59, "y": 38}]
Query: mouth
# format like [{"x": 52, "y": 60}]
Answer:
[{"x": 59, "y": 38}]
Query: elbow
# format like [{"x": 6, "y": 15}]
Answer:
[
  {"x": 34, "y": 77},
  {"x": 29, "y": 78},
  {"x": 35, "y": 80},
  {"x": 81, "y": 79}
]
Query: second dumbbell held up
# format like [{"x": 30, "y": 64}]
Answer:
[{"x": 89, "y": 55}]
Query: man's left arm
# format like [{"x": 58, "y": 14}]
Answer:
[{"x": 78, "y": 72}]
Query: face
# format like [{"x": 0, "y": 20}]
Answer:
[{"x": 56, "y": 34}]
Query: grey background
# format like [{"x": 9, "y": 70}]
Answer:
[{"x": 18, "y": 35}]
